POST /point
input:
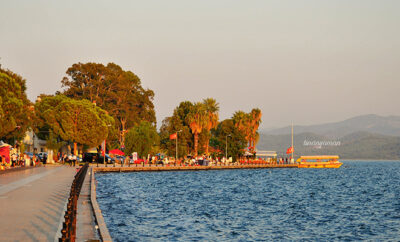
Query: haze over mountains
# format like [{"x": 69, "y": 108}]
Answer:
[
  {"x": 371, "y": 123},
  {"x": 362, "y": 137}
]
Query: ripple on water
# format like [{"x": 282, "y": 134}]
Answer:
[{"x": 360, "y": 201}]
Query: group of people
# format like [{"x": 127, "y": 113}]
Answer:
[
  {"x": 24, "y": 160},
  {"x": 70, "y": 159},
  {"x": 20, "y": 160},
  {"x": 192, "y": 161}
]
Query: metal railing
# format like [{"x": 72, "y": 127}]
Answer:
[
  {"x": 214, "y": 164},
  {"x": 68, "y": 230}
]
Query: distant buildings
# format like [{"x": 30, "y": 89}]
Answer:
[{"x": 33, "y": 143}]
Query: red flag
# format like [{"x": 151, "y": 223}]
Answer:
[
  {"x": 173, "y": 136},
  {"x": 289, "y": 150}
]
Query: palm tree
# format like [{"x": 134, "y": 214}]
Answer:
[
  {"x": 239, "y": 119},
  {"x": 255, "y": 116},
  {"x": 242, "y": 123},
  {"x": 248, "y": 123},
  {"x": 212, "y": 108},
  {"x": 197, "y": 120}
]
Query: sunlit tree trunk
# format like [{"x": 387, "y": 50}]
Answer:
[
  {"x": 122, "y": 136},
  {"x": 196, "y": 141}
]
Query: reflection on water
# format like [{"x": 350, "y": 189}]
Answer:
[{"x": 356, "y": 202}]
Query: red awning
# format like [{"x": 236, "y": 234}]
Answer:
[
  {"x": 116, "y": 152},
  {"x": 5, "y": 153}
]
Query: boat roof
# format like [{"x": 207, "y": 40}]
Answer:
[{"x": 314, "y": 157}]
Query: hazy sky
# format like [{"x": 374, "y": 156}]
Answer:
[{"x": 306, "y": 61}]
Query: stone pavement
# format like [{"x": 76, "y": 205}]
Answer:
[
  {"x": 85, "y": 221},
  {"x": 32, "y": 203}
]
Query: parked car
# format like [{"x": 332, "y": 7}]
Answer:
[
  {"x": 97, "y": 157},
  {"x": 42, "y": 156},
  {"x": 108, "y": 159},
  {"x": 89, "y": 157},
  {"x": 39, "y": 156}
]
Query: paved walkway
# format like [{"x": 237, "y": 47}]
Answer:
[
  {"x": 32, "y": 203},
  {"x": 85, "y": 221}
]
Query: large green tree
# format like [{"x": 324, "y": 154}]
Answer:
[
  {"x": 228, "y": 134},
  {"x": 169, "y": 126},
  {"x": 177, "y": 122},
  {"x": 15, "y": 108},
  {"x": 117, "y": 91},
  {"x": 78, "y": 121},
  {"x": 142, "y": 138}
]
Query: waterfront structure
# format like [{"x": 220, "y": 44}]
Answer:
[{"x": 267, "y": 155}]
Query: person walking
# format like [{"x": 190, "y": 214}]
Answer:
[
  {"x": 70, "y": 159},
  {"x": 65, "y": 158},
  {"x": 14, "y": 160}
]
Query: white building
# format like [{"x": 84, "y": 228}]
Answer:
[{"x": 33, "y": 143}]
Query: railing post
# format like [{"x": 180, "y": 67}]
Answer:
[{"x": 68, "y": 231}]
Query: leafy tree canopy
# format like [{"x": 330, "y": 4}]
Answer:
[
  {"x": 227, "y": 133},
  {"x": 15, "y": 108},
  {"x": 78, "y": 121},
  {"x": 169, "y": 126},
  {"x": 117, "y": 91},
  {"x": 142, "y": 138}
]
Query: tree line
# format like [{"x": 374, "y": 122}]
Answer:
[
  {"x": 199, "y": 130},
  {"x": 104, "y": 102}
]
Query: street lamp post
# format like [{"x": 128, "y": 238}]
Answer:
[
  {"x": 176, "y": 157},
  {"x": 226, "y": 146}
]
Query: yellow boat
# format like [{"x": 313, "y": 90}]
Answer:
[{"x": 320, "y": 161}]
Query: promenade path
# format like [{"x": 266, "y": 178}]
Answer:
[{"x": 32, "y": 203}]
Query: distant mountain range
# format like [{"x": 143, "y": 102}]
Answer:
[
  {"x": 371, "y": 123},
  {"x": 362, "y": 137}
]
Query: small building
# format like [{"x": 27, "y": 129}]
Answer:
[
  {"x": 33, "y": 143},
  {"x": 266, "y": 155}
]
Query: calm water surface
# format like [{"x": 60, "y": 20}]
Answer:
[{"x": 360, "y": 201}]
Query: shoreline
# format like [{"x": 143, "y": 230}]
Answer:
[
  {"x": 188, "y": 168},
  {"x": 368, "y": 160}
]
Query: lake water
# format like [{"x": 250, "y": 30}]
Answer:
[{"x": 359, "y": 201}]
